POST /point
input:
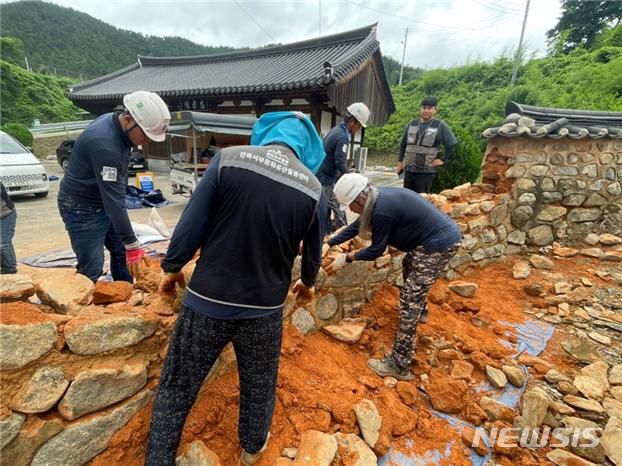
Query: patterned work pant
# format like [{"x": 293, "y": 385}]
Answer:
[
  {"x": 421, "y": 268},
  {"x": 194, "y": 347},
  {"x": 339, "y": 216}
]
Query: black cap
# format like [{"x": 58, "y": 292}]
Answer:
[{"x": 429, "y": 101}]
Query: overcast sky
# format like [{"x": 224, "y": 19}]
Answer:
[{"x": 441, "y": 33}]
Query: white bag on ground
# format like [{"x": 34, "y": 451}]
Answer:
[{"x": 156, "y": 222}]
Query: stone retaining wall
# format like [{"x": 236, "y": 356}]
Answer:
[
  {"x": 561, "y": 189},
  {"x": 74, "y": 373}
]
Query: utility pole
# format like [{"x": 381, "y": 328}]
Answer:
[
  {"x": 319, "y": 17},
  {"x": 520, "y": 45},
  {"x": 403, "y": 57}
]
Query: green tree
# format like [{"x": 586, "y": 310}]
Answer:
[
  {"x": 582, "y": 21},
  {"x": 12, "y": 50}
]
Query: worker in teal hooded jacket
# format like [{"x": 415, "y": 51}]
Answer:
[{"x": 250, "y": 212}]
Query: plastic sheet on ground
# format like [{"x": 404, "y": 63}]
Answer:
[{"x": 532, "y": 337}]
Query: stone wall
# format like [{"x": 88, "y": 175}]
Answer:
[
  {"x": 560, "y": 189},
  {"x": 78, "y": 365},
  {"x": 46, "y": 144}
]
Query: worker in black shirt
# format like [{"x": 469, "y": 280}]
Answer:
[
  {"x": 403, "y": 219},
  {"x": 91, "y": 199},
  {"x": 336, "y": 145},
  {"x": 8, "y": 219},
  {"x": 420, "y": 154},
  {"x": 248, "y": 215}
]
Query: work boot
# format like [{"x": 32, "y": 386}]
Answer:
[
  {"x": 425, "y": 316},
  {"x": 387, "y": 367},
  {"x": 249, "y": 459}
]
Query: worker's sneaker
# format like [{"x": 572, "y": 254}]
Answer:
[
  {"x": 387, "y": 367},
  {"x": 249, "y": 459}
]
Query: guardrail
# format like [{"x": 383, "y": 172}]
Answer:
[{"x": 59, "y": 127}]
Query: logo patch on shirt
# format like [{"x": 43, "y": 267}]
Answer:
[
  {"x": 344, "y": 148},
  {"x": 109, "y": 174}
]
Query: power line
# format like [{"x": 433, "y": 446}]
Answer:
[
  {"x": 520, "y": 45},
  {"x": 253, "y": 20}
]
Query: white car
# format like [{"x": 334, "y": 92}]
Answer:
[{"x": 20, "y": 171}]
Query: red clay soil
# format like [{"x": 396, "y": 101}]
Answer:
[
  {"x": 21, "y": 313},
  {"x": 321, "y": 379}
]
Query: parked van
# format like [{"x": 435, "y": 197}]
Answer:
[{"x": 20, "y": 171}]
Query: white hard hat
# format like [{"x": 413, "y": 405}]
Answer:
[
  {"x": 150, "y": 113},
  {"x": 359, "y": 111},
  {"x": 348, "y": 187}
]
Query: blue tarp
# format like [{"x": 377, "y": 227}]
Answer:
[{"x": 531, "y": 337}]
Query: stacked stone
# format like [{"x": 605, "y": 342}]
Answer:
[
  {"x": 73, "y": 373},
  {"x": 341, "y": 295},
  {"x": 560, "y": 188}
]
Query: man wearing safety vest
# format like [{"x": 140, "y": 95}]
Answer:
[{"x": 420, "y": 154}]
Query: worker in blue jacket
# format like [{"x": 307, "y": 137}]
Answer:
[
  {"x": 336, "y": 144},
  {"x": 403, "y": 219},
  {"x": 91, "y": 199},
  {"x": 248, "y": 216}
]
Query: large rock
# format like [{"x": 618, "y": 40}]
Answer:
[
  {"x": 496, "y": 377},
  {"x": 541, "y": 262},
  {"x": 615, "y": 375},
  {"x": 542, "y": 235},
  {"x": 535, "y": 404},
  {"x": 446, "y": 394},
  {"x": 9, "y": 428},
  {"x": 303, "y": 321},
  {"x": 81, "y": 441},
  {"x": 612, "y": 440},
  {"x": 65, "y": 294},
  {"x": 34, "y": 433},
  {"x": 584, "y": 215},
  {"x": 327, "y": 306},
  {"x": 465, "y": 289},
  {"x": 95, "y": 334},
  {"x": 316, "y": 449},
  {"x": 15, "y": 287},
  {"x": 356, "y": 449},
  {"x": 26, "y": 334},
  {"x": 41, "y": 392},
  {"x": 96, "y": 389},
  {"x": 348, "y": 331},
  {"x": 565, "y": 458},
  {"x": 515, "y": 375},
  {"x": 609, "y": 240},
  {"x": 355, "y": 273},
  {"x": 369, "y": 421},
  {"x": 589, "y": 387},
  {"x": 197, "y": 454},
  {"x": 495, "y": 410},
  {"x": 584, "y": 404},
  {"x": 598, "y": 371},
  {"x": 521, "y": 270},
  {"x": 112, "y": 292},
  {"x": 550, "y": 213},
  {"x": 582, "y": 350}
]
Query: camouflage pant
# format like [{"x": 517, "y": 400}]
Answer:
[
  {"x": 421, "y": 268},
  {"x": 339, "y": 216}
]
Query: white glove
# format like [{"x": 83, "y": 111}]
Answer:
[
  {"x": 303, "y": 291},
  {"x": 338, "y": 262}
]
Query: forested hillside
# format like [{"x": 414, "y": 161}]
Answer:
[{"x": 66, "y": 42}]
